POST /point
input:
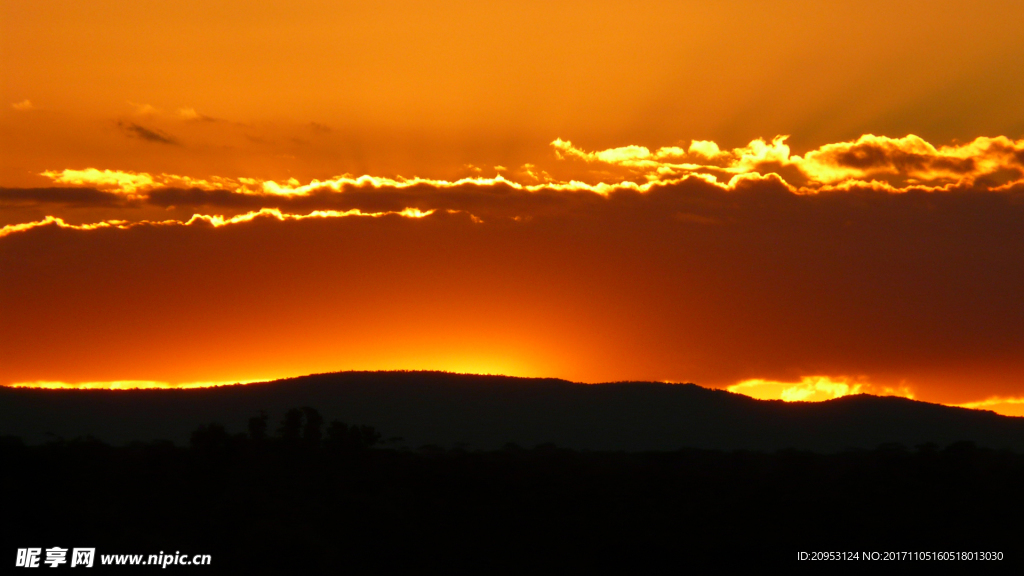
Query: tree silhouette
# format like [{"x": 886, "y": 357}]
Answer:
[
  {"x": 209, "y": 437},
  {"x": 367, "y": 436},
  {"x": 258, "y": 427},
  {"x": 341, "y": 436},
  {"x": 291, "y": 426},
  {"x": 337, "y": 434},
  {"x": 311, "y": 432}
]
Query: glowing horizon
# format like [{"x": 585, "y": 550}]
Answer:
[{"x": 808, "y": 389}]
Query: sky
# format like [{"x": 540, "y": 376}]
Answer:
[{"x": 791, "y": 199}]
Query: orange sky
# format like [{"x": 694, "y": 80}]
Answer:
[{"x": 648, "y": 223}]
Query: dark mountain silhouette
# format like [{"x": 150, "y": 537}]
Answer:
[
  {"x": 487, "y": 412},
  {"x": 293, "y": 477}
]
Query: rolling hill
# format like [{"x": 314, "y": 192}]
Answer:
[{"x": 486, "y": 412}]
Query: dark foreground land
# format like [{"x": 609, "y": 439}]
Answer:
[
  {"x": 506, "y": 475},
  {"x": 310, "y": 497}
]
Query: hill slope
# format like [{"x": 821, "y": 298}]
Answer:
[{"x": 489, "y": 411}]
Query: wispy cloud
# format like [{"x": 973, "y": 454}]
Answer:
[
  {"x": 23, "y": 106},
  {"x": 144, "y": 109},
  {"x": 148, "y": 134},
  {"x": 212, "y": 220},
  {"x": 90, "y": 197},
  {"x": 190, "y": 114}
]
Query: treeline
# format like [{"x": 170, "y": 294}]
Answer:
[
  {"x": 301, "y": 427},
  {"x": 306, "y": 496}
]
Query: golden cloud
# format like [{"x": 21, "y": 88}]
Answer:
[
  {"x": 213, "y": 220},
  {"x": 1007, "y": 406},
  {"x": 894, "y": 165},
  {"x": 127, "y": 183},
  {"x": 814, "y": 389}
]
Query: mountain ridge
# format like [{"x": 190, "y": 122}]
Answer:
[{"x": 489, "y": 411}]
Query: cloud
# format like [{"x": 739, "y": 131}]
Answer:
[
  {"x": 215, "y": 221},
  {"x": 294, "y": 188},
  {"x": 191, "y": 115},
  {"x": 983, "y": 165},
  {"x": 869, "y": 163},
  {"x": 134, "y": 184},
  {"x": 814, "y": 389},
  {"x": 53, "y": 220},
  {"x": 911, "y": 158},
  {"x": 1007, "y": 406},
  {"x": 116, "y": 181},
  {"x": 144, "y": 109},
  {"x": 23, "y": 106},
  {"x": 150, "y": 135},
  {"x": 66, "y": 196},
  {"x": 897, "y": 163}
]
